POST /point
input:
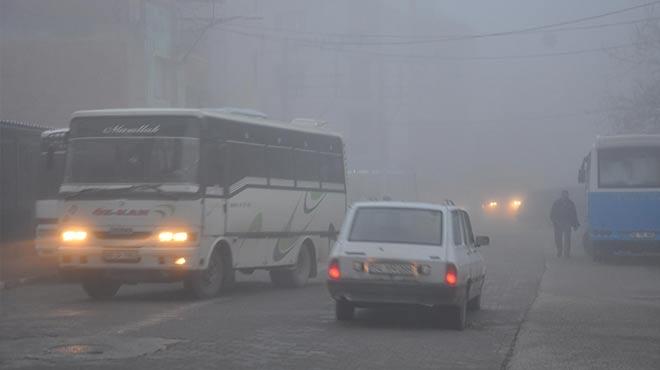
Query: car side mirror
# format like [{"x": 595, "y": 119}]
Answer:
[{"x": 480, "y": 241}]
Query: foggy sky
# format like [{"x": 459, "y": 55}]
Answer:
[
  {"x": 467, "y": 127},
  {"x": 496, "y": 125}
]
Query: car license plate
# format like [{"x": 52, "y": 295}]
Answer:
[
  {"x": 121, "y": 256},
  {"x": 391, "y": 268}
]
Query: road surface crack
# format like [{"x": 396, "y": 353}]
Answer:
[{"x": 512, "y": 346}]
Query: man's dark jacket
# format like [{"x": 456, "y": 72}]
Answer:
[{"x": 563, "y": 214}]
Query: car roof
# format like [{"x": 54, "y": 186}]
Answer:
[{"x": 417, "y": 205}]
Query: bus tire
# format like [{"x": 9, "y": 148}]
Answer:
[
  {"x": 99, "y": 288},
  {"x": 587, "y": 245},
  {"x": 297, "y": 276},
  {"x": 207, "y": 283}
]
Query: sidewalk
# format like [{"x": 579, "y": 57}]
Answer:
[
  {"x": 592, "y": 316},
  {"x": 19, "y": 263}
]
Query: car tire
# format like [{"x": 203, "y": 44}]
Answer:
[
  {"x": 297, "y": 276},
  {"x": 475, "y": 303},
  {"x": 344, "y": 310},
  {"x": 459, "y": 316},
  {"x": 99, "y": 288},
  {"x": 207, "y": 283}
]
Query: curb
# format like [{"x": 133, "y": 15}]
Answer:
[{"x": 12, "y": 284}]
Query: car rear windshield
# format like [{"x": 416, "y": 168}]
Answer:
[{"x": 397, "y": 225}]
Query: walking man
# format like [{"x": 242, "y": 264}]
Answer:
[{"x": 564, "y": 217}]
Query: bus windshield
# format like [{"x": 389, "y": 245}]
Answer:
[
  {"x": 132, "y": 160},
  {"x": 633, "y": 167}
]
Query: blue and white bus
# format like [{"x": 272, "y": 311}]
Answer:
[{"x": 622, "y": 179}]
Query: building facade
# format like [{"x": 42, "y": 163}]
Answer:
[{"x": 59, "y": 57}]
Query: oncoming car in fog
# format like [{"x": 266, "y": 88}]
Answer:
[
  {"x": 407, "y": 254},
  {"x": 502, "y": 207}
]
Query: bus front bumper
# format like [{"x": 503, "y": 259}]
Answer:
[{"x": 129, "y": 264}]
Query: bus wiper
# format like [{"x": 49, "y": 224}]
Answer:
[
  {"x": 85, "y": 191},
  {"x": 154, "y": 187}
]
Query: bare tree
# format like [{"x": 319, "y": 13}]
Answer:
[{"x": 639, "y": 112}]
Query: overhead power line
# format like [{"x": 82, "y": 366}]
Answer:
[
  {"x": 340, "y": 38},
  {"x": 443, "y": 57}
]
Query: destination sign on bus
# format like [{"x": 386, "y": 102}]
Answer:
[{"x": 134, "y": 126}]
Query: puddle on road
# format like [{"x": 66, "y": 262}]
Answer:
[
  {"x": 79, "y": 349},
  {"x": 100, "y": 347}
]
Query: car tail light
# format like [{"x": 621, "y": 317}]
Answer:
[
  {"x": 334, "y": 273},
  {"x": 451, "y": 275}
]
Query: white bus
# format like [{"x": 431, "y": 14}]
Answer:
[
  {"x": 51, "y": 171},
  {"x": 194, "y": 195}
]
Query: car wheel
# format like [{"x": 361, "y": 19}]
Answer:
[
  {"x": 298, "y": 275},
  {"x": 459, "y": 316},
  {"x": 344, "y": 310},
  {"x": 99, "y": 288},
  {"x": 208, "y": 282},
  {"x": 475, "y": 303}
]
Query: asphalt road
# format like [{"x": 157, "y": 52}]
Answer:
[{"x": 258, "y": 326}]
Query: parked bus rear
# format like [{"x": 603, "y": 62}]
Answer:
[{"x": 622, "y": 178}]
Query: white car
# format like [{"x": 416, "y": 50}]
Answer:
[{"x": 407, "y": 254}]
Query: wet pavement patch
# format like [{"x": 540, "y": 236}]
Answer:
[
  {"x": 79, "y": 349},
  {"x": 100, "y": 347}
]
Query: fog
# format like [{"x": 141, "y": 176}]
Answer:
[
  {"x": 234, "y": 189},
  {"x": 489, "y": 112}
]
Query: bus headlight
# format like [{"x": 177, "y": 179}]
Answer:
[
  {"x": 173, "y": 236},
  {"x": 74, "y": 235}
]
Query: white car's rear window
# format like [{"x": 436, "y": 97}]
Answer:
[{"x": 397, "y": 225}]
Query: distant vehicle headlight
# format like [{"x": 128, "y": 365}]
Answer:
[
  {"x": 74, "y": 235},
  {"x": 516, "y": 204}
]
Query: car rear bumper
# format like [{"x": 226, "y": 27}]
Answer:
[{"x": 367, "y": 293}]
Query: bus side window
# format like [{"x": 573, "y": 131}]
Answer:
[
  {"x": 50, "y": 158},
  {"x": 217, "y": 160},
  {"x": 246, "y": 160},
  {"x": 307, "y": 166},
  {"x": 279, "y": 161},
  {"x": 332, "y": 168}
]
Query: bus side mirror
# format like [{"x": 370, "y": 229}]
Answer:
[{"x": 581, "y": 176}]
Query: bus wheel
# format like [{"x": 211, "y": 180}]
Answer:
[
  {"x": 207, "y": 283},
  {"x": 587, "y": 245},
  {"x": 297, "y": 276},
  {"x": 99, "y": 288}
]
